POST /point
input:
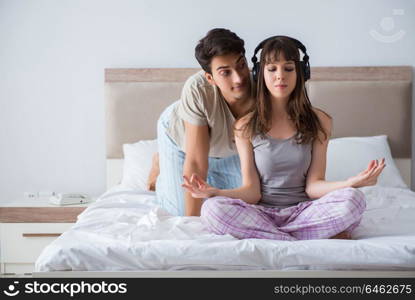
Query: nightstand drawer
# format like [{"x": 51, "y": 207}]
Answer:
[{"x": 23, "y": 242}]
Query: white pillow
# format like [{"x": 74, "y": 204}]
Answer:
[
  {"x": 349, "y": 156},
  {"x": 137, "y": 163}
]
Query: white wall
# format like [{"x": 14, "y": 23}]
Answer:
[{"x": 53, "y": 53}]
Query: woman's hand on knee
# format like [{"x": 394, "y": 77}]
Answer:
[{"x": 369, "y": 176}]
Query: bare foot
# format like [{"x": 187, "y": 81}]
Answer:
[
  {"x": 342, "y": 236},
  {"x": 154, "y": 172}
]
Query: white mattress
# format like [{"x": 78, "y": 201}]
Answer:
[{"x": 124, "y": 231}]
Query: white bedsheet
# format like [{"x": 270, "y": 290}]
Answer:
[{"x": 124, "y": 230}]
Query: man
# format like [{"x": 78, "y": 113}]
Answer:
[{"x": 195, "y": 134}]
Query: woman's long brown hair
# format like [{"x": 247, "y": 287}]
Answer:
[{"x": 299, "y": 108}]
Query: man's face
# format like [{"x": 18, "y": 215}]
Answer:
[{"x": 230, "y": 74}]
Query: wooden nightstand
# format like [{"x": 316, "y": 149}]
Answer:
[{"x": 27, "y": 227}]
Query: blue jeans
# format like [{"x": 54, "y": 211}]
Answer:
[{"x": 223, "y": 173}]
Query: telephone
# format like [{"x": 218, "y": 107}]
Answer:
[{"x": 69, "y": 198}]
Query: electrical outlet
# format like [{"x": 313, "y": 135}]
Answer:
[{"x": 30, "y": 195}]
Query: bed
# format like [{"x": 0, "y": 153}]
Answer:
[{"x": 125, "y": 234}]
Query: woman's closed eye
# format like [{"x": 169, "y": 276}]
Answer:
[{"x": 287, "y": 69}]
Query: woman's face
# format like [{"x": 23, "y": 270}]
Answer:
[{"x": 280, "y": 77}]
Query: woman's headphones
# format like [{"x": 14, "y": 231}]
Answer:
[{"x": 304, "y": 64}]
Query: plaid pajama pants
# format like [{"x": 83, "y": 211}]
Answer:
[{"x": 338, "y": 211}]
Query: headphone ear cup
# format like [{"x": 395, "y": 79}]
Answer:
[
  {"x": 255, "y": 71},
  {"x": 302, "y": 67},
  {"x": 305, "y": 68},
  {"x": 307, "y": 71},
  {"x": 307, "y": 74}
]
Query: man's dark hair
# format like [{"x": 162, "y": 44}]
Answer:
[{"x": 218, "y": 41}]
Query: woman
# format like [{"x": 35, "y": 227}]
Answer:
[{"x": 282, "y": 145}]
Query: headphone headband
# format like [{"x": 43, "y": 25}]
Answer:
[{"x": 305, "y": 65}]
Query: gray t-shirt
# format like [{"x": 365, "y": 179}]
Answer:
[{"x": 203, "y": 104}]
